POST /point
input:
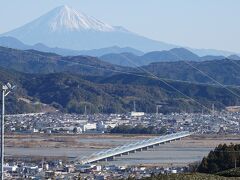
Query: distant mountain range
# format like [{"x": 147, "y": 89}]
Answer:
[
  {"x": 173, "y": 55},
  {"x": 120, "y": 56},
  {"x": 11, "y": 42},
  {"x": 32, "y": 61},
  {"x": 70, "y": 83},
  {"x": 225, "y": 71},
  {"x": 67, "y": 31}
]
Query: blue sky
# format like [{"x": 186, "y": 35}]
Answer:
[{"x": 193, "y": 23}]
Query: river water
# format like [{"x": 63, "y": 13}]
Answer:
[{"x": 175, "y": 153}]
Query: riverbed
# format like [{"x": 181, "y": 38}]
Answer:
[{"x": 188, "y": 150}]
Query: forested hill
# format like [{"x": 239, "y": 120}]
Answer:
[
  {"x": 71, "y": 93},
  {"x": 32, "y": 61},
  {"x": 225, "y": 71},
  {"x": 71, "y": 83}
]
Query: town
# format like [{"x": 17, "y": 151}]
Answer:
[
  {"x": 70, "y": 124},
  {"x": 217, "y": 122}
]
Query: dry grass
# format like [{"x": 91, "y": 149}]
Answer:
[{"x": 57, "y": 141}]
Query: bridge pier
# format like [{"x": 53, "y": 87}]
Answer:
[
  {"x": 134, "y": 151},
  {"x": 139, "y": 150},
  {"x": 126, "y": 153},
  {"x": 151, "y": 146},
  {"x": 110, "y": 158},
  {"x": 145, "y": 148}
]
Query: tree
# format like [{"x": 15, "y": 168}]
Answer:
[
  {"x": 221, "y": 158},
  {"x": 203, "y": 167}
]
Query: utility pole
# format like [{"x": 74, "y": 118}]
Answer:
[
  {"x": 134, "y": 106},
  {"x": 6, "y": 89},
  {"x": 85, "y": 110},
  {"x": 2, "y": 129},
  {"x": 213, "y": 109}
]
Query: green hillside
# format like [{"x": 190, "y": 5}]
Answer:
[
  {"x": 190, "y": 176},
  {"x": 71, "y": 83},
  {"x": 230, "y": 173},
  {"x": 31, "y": 61},
  {"x": 224, "y": 71},
  {"x": 71, "y": 92}
]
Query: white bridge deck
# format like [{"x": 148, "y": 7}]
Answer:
[{"x": 110, "y": 154}]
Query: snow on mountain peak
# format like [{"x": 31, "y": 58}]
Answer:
[{"x": 67, "y": 18}]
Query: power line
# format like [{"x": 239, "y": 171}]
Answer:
[
  {"x": 233, "y": 62},
  {"x": 212, "y": 79},
  {"x": 163, "y": 79},
  {"x": 169, "y": 85},
  {"x": 208, "y": 76},
  {"x": 140, "y": 75},
  {"x": 153, "y": 76}
]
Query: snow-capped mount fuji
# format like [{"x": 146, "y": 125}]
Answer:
[
  {"x": 65, "y": 27},
  {"x": 66, "y": 18}
]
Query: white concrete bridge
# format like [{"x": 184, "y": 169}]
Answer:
[{"x": 110, "y": 154}]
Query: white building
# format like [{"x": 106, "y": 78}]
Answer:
[
  {"x": 137, "y": 114},
  {"x": 89, "y": 126}
]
